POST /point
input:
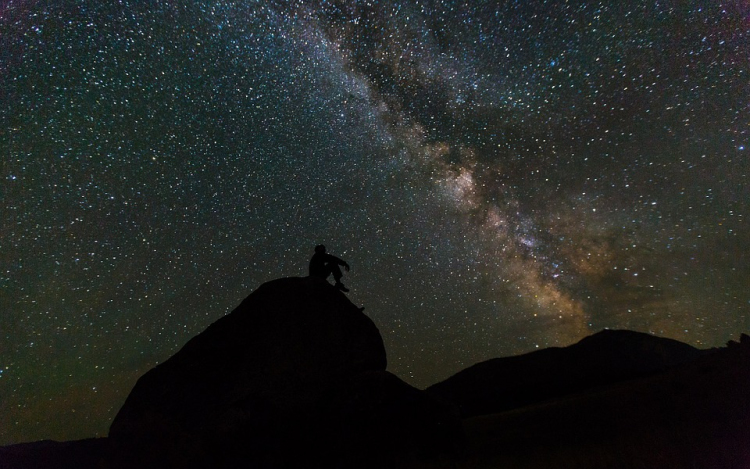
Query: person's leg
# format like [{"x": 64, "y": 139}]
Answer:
[
  {"x": 337, "y": 274},
  {"x": 336, "y": 271}
]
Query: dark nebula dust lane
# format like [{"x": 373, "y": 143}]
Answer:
[{"x": 501, "y": 176}]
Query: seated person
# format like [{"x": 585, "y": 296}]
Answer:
[{"x": 323, "y": 264}]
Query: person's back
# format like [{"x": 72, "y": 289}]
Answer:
[{"x": 318, "y": 265}]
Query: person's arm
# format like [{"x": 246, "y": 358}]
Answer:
[{"x": 338, "y": 261}]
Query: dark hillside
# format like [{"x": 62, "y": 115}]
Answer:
[
  {"x": 607, "y": 357},
  {"x": 693, "y": 416}
]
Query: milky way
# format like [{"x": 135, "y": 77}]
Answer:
[{"x": 501, "y": 176}]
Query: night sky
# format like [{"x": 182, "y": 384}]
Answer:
[{"x": 501, "y": 176}]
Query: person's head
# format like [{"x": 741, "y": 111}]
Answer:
[{"x": 320, "y": 249}]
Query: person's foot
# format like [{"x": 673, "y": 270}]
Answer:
[{"x": 341, "y": 287}]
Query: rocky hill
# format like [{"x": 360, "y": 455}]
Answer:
[
  {"x": 293, "y": 377},
  {"x": 694, "y": 415},
  {"x": 607, "y": 357}
]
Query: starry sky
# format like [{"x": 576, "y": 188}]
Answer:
[{"x": 501, "y": 176}]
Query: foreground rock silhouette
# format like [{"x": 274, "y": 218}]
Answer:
[{"x": 293, "y": 377}]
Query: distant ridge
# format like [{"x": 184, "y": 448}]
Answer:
[
  {"x": 607, "y": 357},
  {"x": 693, "y": 415}
]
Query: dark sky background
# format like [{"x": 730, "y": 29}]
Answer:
[{"x": 502, "y": 176}]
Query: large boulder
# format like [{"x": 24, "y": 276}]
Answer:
[{"x": 293, "y": 377}]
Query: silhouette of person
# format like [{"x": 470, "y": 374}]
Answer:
[{"x": 323, "y": 264}]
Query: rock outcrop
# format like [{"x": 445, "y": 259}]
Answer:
[{"x": 293, "y": 377}]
